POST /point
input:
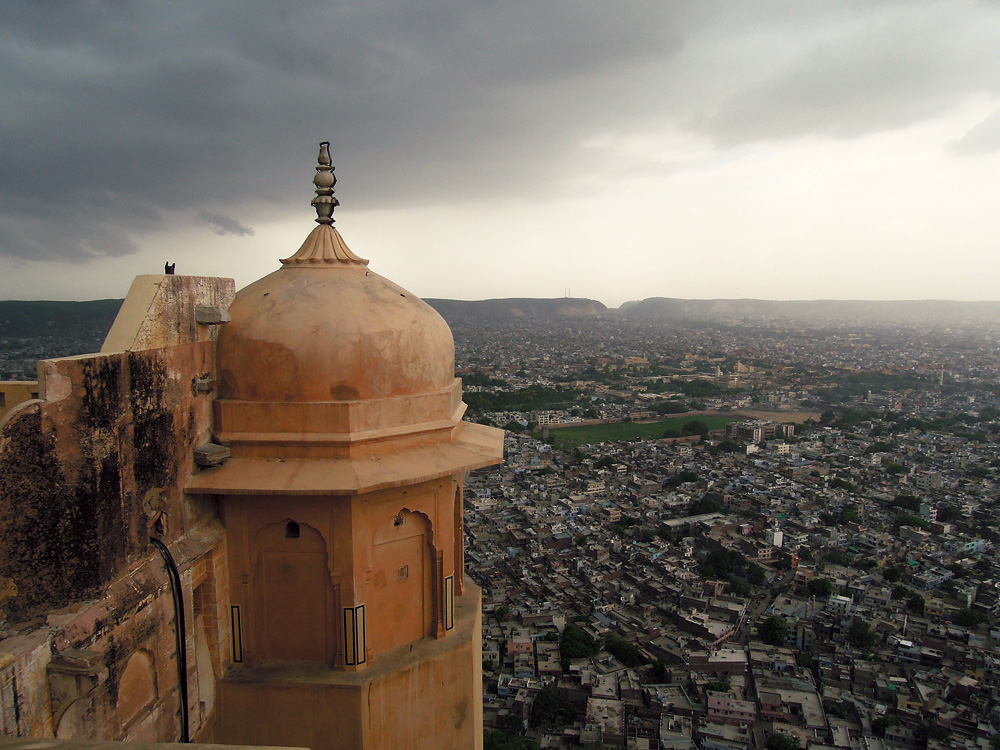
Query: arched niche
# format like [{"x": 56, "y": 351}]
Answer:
[
  {"x": 136, "y": 687},
  {"x": 292, "y": 595},
  {"x": 77, "y": 721},
  {"x": 400, "y": 598}
]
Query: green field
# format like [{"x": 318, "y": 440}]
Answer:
[{"x": 570, "y": 437}]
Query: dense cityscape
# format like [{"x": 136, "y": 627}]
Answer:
[
  {"x": 734, "y": 537},
  {"x": 728, "y": 536}
]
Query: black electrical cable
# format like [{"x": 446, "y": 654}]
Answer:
[{"x": 178, "y": 594}]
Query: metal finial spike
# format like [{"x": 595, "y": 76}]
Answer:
[{"x": 324, "y": 202}]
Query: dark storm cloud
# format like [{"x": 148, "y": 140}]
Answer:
[{"x": 114, "y": 113}]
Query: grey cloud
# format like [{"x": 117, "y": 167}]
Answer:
[
  {"x": 126, "y": 109},
  {"x": 114, "y": 112},
  {"x": 885, "y": 67},
  {"x": 224, "y": 224},
  {"x": 32, "y": 238},
  {"x": 982, "y": 138}
]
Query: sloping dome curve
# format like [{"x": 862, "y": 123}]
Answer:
[{"x": 334, "y": 333}]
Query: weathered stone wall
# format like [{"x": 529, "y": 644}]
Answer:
[
  {"x": 86, "y": 474},
  {"x": 164, "y": 311},
  {"x": 88, "y": 645}
]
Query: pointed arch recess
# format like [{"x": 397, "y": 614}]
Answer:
[
  {"x": 293, "y": 599},
  {"x": 403, "y": 589}
]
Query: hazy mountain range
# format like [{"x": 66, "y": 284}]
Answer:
[
  {"x": 91, "y": 320},
  {"x": 729, "y": 311},
  {"x": 457, "y": 311},
  {"x": 28, "y": 319},
  {"x": 939, "y": 312}
]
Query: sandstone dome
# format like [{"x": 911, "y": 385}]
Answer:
[
  {"x": 332, "y": 331},
  {"x": 325, "y": 328},
  {"x": 332, "y": 381},
  {"x": 324, "y": 354}
]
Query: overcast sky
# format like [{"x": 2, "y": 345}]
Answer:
[{"x": 610, "y": 150}]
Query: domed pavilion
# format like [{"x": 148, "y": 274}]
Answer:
[{"x": 352, "y": 624}]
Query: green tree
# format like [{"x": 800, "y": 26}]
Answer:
[
  {"x": 843, "y": 484},
  {"x": 803, "y": 659},
  {"x": 739, "y": 588},
  {"x": 774, "y": 630},
  {"x": 925, "y": 730},
  {"x": 723, "y": 563},
  {"x": 881, "y": 723},
  {"x": 728, "y": 446},
  {"x": 575, "y": 643},
  {"x": 907, "y": 502},
  {"x": 705, "y": 504},
  {"x": 781, "y": 741},
  {"x": 879, "y": 446},
  {"x": 968, "y": 619},
  {"x": 820, "y": 587},
  {"x": 499, "y": 741},
  {"x": 661, "y": 671},
  {"x": 695, "y": 427},
  {"x": 849, "y": 515},
  {"x": 836, "y": 557},
  {"x": 682, "y": 477},
  {"x": 892, "y": 574},
  {"x": 910, "y": 519},
  {"x": 509, "y": 735},
  {"x": 719, "y": 685},
  {"x": 947, "y": 514},
  {"x": 545, "y": 707},
  {"x": 860, "y": 635},
  {"x": 670, "y": 407},
  {"x": 625, "y": 652}
]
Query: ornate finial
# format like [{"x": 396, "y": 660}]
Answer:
[
  {"x": 324, "y": 202},
  {"x": 324, "y": 245}
]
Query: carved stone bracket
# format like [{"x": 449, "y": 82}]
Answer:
[{"x": 73, "y": 674}]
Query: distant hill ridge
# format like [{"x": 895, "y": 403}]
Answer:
[
  {"x": 942, "y": 312},
  {"x": 91, "y": 320},
  {"x": 463, "y": 311},
  {"x": 33, "y": 318}
]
